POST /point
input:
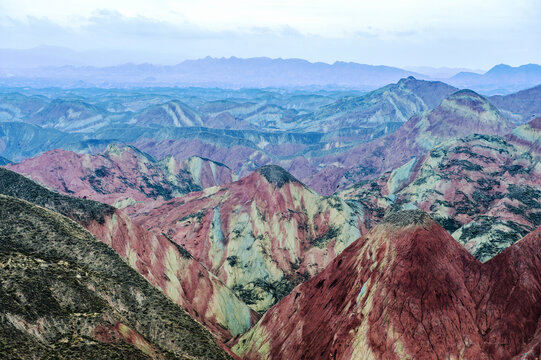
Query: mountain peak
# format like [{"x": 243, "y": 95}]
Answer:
[
  {"x": 276, "y": 175},
  {"x": 499, "y": 68},
  {"x": 120, "y": 149},
  {"x": 471, "y": 102},
  {"x": 409, "y": 78},
  {"x": 466, "y": 93},
  {"x": 407, "y": 218}
]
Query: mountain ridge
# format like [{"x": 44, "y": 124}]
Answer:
[
  {"x": 65, "y": 279},
  {"x": 261, "y": 235},
  {"x": 407, "y": 289}
]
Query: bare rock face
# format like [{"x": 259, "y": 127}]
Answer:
[
  {"x": 408, "y": 290},
  {"x": 407, "y": 218},
  {"x": 261, "y": 235},
  {"x": 482, "y": 189}
]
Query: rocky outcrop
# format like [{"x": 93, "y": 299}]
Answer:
[
  {"x": 408, "y": 290},
  {"x": 261, "y": 235}
]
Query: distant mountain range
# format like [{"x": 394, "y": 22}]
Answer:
[
  {"x": 213, "y": 72},
  {"x": 501, "y": 79},
  {"x": 52, "y": 66}
]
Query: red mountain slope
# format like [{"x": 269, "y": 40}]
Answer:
[
  {"x": 408, "y": 290},
  {"x": 172, "y": 269},
  {"x": 261, "y": 235},
  {"x": 123, "y": 176}
]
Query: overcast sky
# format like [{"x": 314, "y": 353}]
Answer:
[{"x": 458, "y": 33}]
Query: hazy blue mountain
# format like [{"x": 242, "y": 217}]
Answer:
[
  {"x": 441, "y": 72},
  {"x": 211, "y": 72},
  {"x": 501, "y": 79},
  {"x": 520, "y": 107},
  {"x": 14, "y": 105},
  {"x": 19, "y": 140}
]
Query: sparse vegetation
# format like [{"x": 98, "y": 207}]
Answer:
[
  {"x": 81, "y": 210},
  {"x": 80, "y": 290},
  {"x": 326, "y": 238}
]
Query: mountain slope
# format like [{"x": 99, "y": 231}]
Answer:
[
  {"x": 481, "y": 188},
  {"x": 461, "y": 114},
  {"x": 20, "y": 140},
  {"x": 15, "y": 106},
  {"x": 408, "y": 290},
  {"x": 392, "y": 103},
  {"x": 261, "y": 235},
  {"x": 207, "y": 173},
  {"x": 166, "y": 265},
  {"x": 527, "y": 136},
  {"x": 4, "y": 161},
  {"x": 122, "y": 175},
  {"x": 67, "y": 295},
  {"x": 172, "y": 113},
  {"x": 520, "y": 107},
  {"x": 70, "y": 115}
]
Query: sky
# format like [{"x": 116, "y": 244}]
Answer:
[{"x": 474, "y": 34}]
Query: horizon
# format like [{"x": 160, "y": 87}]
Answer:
[{"x": 76, "y": 64}]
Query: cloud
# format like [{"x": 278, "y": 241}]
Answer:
[
  {"x": 107, "y": 22},
  {"x": 320, "y": 33}
]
